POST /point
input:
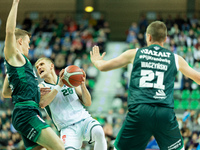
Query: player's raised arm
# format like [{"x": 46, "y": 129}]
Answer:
[
  {"x": 118, "y": 62},
  {"x": 10, "y": 41},
  {"x": 188, "y": 71}
]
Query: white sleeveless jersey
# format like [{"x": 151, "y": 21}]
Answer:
[{"x": 66, "y": 108}]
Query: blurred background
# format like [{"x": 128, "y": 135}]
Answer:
[{"x": 66, "y": 31}]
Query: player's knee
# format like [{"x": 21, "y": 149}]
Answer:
[{"x": 97, "y": 131}]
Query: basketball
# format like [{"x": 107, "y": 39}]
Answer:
[{"x": 73, "y": 76}]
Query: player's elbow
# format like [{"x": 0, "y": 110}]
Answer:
[
  {"x": 88, "y": 104},
  {"x": 102, "y": 68},
  {"x": 10, "y": 31},
  {"x": 198, "y": 80},
  {"x": 42, "y": 104},
  {"x": 6, "y": 94}
]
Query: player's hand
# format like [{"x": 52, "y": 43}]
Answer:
[
  {"x": 61, "y": 76},
  {"x": 95, "y": 54},
  {"x": 84, "y": 76},
  {"x": 16, "y": 1},
  {"x": 44, "y": 91}
]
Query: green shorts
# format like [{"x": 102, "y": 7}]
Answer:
[
  {"x": 27, "y": 120},
  {"x": 145, "y": 120}
]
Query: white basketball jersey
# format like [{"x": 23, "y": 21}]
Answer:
[{"x": 66, "y": 108}]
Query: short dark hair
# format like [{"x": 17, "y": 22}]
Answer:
[
  {"x": 19, "y": 33},
  {"x": 157, "y": 30}
]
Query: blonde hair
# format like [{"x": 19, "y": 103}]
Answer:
[
  {"x": 158, "y": 31},
  {"x": 44, "y": 58},
  {"x": 19, "y": 33}
]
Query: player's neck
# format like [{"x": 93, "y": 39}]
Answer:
[
  {"x": 156, "y": 43},
  {"x": 52, "y": 78}
]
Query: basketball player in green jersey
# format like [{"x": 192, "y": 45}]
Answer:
[
  {"x": 150, "y": 98},
  {"x": 22, "y": 83}
]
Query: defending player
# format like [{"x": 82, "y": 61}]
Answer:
[
  {"x": 65, "y": 109},
  {"x": 150, "y": 99},
  {"x": 22, "y": 83}
]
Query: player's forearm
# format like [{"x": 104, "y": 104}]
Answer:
[
  {"x": 86, "y": 97},
  {"x": 47, "y": 98},
  {"x": 101, "y": 65},
  {"x": 12, "y": 17}
]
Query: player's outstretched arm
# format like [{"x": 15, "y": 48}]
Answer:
[
  {"x": 188, "y": 71},
  {"x": 118, "y": 62},
  {"x": 7, "y": 92},
  {"x": 83, "y": 92},
  {"x": 10, "y": 41}
]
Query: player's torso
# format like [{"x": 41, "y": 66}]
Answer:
[
  {"x": 23, "y": 82},
  {"x": 152, "y": 77},
  {"x": 66, "y": 107}
]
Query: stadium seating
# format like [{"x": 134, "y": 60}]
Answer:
[
  {"x": 184, "y": 104},
  {"x": 194, "y": 104},
  {"x": 185, "y": 95}
]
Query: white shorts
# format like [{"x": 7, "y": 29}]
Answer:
[{"x": 75, "y": 134}]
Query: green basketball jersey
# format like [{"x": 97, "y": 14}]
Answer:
[
  {"x": 152, "y": 77},
  {"x": 23, "y": 82}
]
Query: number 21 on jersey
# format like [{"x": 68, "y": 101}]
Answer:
[{"x": 148, "y": 76}]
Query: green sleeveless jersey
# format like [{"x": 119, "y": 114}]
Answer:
[
  {"x": 152, "y": 77},
  {"x": 23, "y": 82}
]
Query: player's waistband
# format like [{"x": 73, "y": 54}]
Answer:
[{"x": 27, "y": 103}]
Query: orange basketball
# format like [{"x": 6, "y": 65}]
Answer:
[{"x": 73, "y": 76}]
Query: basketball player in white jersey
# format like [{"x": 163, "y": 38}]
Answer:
[{"x": 65, "y": 107}]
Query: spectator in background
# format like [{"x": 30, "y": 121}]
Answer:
[
  {"x": 134, "y": 27},
  {"x": 100, "y": 22},
  {"x": 27, "y": 23},
  {"x": 179, "y": 21},
  {"x": 197, "y": 54},
  {"x": 143, "y": 23},
  {"x": 141, "y": 40},
  {"x": 106, "y": 29},
  {"x": 169, "y": 22},
  {"x": 131, "y": 37},
  {"x": 191, "y": 39},
  {"x": 187, "y": 82},
  {"x": 182, "y": 39},
  {"x": 67, "y": 20},
  {"x": 0, "y": 23},
  {"x": 174, "y": 30},
  {"x": 190, "y": 56},
  {"x": 47, "y": 51},
  {"x": 186, "y": 23}
]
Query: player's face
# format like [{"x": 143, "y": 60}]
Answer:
[
  {"x": 43, "y": 68},
  {"x": 25, "y": 45}
]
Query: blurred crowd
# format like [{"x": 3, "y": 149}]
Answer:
[{"x": 69, "y": 42}]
